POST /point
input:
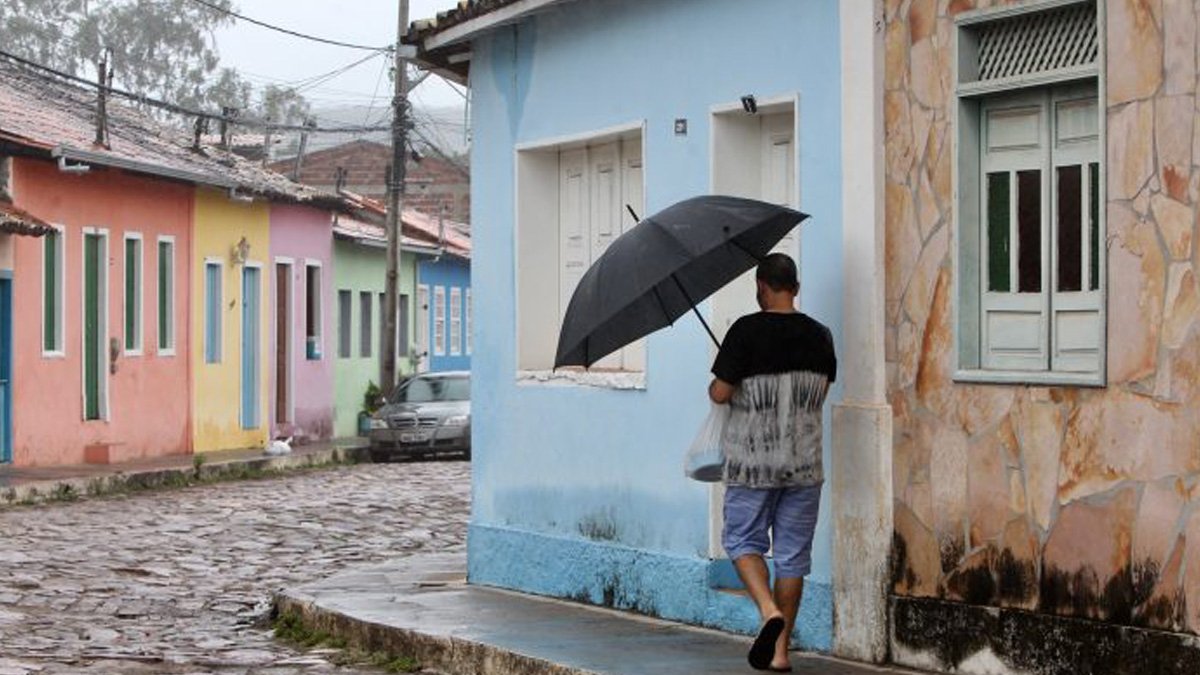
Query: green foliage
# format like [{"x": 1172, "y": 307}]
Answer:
[
  {"x": 372, "y": 398},
  {"x": 165, "y": 49},
  {"x": 283, "y": 105}
]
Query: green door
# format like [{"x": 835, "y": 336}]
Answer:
[
  {"x": 93, "y": 327},
  {"x": 5, "y": 367}
]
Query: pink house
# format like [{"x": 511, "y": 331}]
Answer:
[
  {"x": 100, "y": 308},
  {"x": 301, "y": 362}
]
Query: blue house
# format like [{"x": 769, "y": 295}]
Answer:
[
  {"x": 445, "y": 282},
  {"x": 581, "y": 109},
  {"x": 443, "y": 327}
]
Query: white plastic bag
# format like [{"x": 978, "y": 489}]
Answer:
[{"x": 705, "y": 461}]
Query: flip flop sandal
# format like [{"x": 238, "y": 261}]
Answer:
[
  {"x": 763, "y": 649},
  {"x": 785, "y": 669}
]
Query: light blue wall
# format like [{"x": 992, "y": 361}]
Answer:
[
  {"x": 447, "y": 272},
  {"x": 579, "y": 492}
]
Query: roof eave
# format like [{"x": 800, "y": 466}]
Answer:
[
  {"x": 473, "y": 27},
  {"x": 446, "y": 51}
]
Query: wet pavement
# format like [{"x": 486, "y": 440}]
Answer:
[{"x": 180, "y": 581}]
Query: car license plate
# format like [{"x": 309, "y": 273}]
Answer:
[{"x": 415, "y": 437}]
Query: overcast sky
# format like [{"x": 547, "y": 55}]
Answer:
[{"x": 266, "y": 57}]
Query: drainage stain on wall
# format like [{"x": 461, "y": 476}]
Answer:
[{"x": 1067, "y": 515}]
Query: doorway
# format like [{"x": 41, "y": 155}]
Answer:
[
  {"x": 283, "y": 342},
  {"x": 5, "y": 367},
  {"x": 753, "y": 156},
  {"x": 251, "y": 338}
]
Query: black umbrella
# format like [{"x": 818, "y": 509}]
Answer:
[{"x": 663, "y": 266}]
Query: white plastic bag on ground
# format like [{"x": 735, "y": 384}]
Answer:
[{"x": 705, "y": 461}]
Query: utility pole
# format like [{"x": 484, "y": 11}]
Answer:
[{"x": 395, "y": 202}]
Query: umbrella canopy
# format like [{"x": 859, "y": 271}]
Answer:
[{"x": 663, "y": 266}]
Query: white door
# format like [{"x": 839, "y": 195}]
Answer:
[
  {"x": 422, "y": 328},
  {"x": 754, "y": 157}
]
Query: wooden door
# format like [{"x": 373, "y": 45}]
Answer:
[{"x": 283, "y": 342}]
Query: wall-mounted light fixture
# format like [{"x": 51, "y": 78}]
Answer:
[
  {"x": 240, "y": 252},
  {"x": 749, "y": 104}
]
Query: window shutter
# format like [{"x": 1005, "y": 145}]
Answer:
[
  {"x": 574, "y": 254},
  {"x": 1076, "y": 301},
  {"x": 633, "y": 357},
  {"x": 1015, "y": 245}
]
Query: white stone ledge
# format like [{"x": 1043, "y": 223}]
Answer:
[{"x": 623, "y": 380}]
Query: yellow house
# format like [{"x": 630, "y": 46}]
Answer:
[{"x": 229, "y": 321}]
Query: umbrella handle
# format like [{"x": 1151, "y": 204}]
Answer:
[{"x": 697, "y": 312}]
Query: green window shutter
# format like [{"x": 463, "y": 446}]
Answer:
[
  {"x": 50, "y": 310},
  {"x": 130, "y": 294},
  {"x": 164, "y": 295}
]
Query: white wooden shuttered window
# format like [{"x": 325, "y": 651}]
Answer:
[
  {"x": 595, "y": 185},
  {"x": 439, "y": 320},
  {"x": 1039, "y": 187},
  {"x": 455, "y": 321},
  {"x": 1029, "y": 190}
]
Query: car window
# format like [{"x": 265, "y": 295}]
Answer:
[{"x": 432, "y": 389}]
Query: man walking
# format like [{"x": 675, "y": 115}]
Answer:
[{"x": 774, "y": 369}]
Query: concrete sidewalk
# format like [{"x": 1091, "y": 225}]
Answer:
[
  {"x": 421, "y": 607},
  {"x": 27, "y": 485}
]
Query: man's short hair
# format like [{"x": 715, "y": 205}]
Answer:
[{"x": 778, "y": 271}]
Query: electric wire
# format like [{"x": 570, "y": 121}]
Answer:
[
  {"x": 44, "y": 72},
  {"x": 286, "y": 31}
]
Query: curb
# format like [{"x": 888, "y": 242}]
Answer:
[
  {"x": 68, "y": 489},
  {"x": 446, "y": 655}
]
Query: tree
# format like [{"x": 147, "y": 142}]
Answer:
[
  {"x": 164, "y": 49},
  {"x": 283, "y": 105}
]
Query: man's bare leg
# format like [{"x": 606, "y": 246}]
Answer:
[
  {"x": 788, "y": 593},
  {"x": 752, "y": 570}
]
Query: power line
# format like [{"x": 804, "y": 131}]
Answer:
[
  {"x": 263, "y": 24},
  {"x": 179, "y": 109},
  {"x": 317, "y": 81}
]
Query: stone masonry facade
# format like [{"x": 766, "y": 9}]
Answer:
[{"x": 1065, "y": 501}]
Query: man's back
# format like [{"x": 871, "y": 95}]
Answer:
[{"x": 782, "y": 364}]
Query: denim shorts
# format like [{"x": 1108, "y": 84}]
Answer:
[{"x": 790, "y": 514}]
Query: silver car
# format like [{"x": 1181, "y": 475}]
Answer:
[{"x": 426, "y": 414}]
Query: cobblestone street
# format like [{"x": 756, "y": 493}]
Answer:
[{"x": 179, "y": 581}]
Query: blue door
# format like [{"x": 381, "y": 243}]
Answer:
[
  {"x": 251, "y": 345},
  {"x": 5, "y": 367}
]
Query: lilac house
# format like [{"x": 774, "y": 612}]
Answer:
[{"x": 300, "y": 362}]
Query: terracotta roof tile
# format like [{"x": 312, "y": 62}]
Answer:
[
  {"x": 45, "y": 114},
  {"x": 18, "y": 221}
]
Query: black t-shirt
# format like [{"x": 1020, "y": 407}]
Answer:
[{"x": 767, "y": 343}]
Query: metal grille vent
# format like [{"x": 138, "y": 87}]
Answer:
[{"x": 1038, "y": 43}]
